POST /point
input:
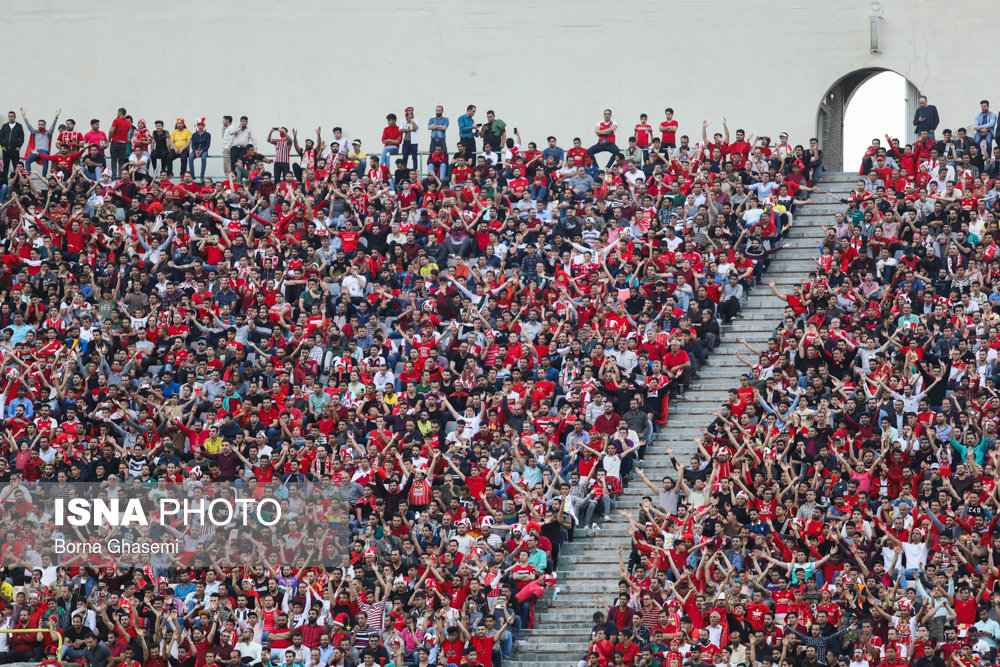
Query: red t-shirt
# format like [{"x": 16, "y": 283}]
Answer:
[
  {"x": 606, "y": 126},
  {"x": 643, "y": 135},
  {"x": 484, "y": 650},
  {"x": 349, "y": 240},
  {"x": 672, "y": 359},
  {"x": 392, "y": 133},
  {"x": 119, "y": 129},
  {"x": 453, "y": 651},
  {"x": 668, "y": 135},
  {"x": 965, "y": 610}
]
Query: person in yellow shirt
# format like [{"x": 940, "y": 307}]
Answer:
[
  {"x": 213, "y": 443},
  {"x": 180, "y": 147},
  {"x": 427, "y": 267},
  {"x": 357, "y": 156}
]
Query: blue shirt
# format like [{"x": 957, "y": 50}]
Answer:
[
  {"x": 556, "y": 152},
  {"x": 443, "y": 120},
  {"x": 465, "y": 125},
  {"x": 182, "y": 590},
  {"x": 986, "y": 121},
  {"x": 200, "y": 141},
  {"x": 29, "y": 408},
  {"x": 20, "y": 333}
]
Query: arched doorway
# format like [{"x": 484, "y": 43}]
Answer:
[{"x": 833, "y": 109}]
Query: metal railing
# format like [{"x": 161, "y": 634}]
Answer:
[
  {"x": 213, "y": 167},
  {"x": 58, "y": 635}
]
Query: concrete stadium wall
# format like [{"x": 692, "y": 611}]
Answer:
[{"x": 544, "y": 67}]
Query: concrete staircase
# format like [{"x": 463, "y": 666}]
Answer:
[{"x": 588, "y": 567}]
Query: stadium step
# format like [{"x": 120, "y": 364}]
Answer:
[{"x": 588, "y": 567}]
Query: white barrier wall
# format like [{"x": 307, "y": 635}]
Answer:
[{"x": 545, "y": 67}]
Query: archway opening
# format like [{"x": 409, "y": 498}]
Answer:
[
  {"x": 862, "y": 105},
  {"x": 876, "y": 108}
]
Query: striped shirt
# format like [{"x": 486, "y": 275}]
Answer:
[
  {"x": 374, "y": 612},
  {"x": 364, "y": 638},
  {"x": 282, "y": 150},
  {"x": 71, "y": 139}
]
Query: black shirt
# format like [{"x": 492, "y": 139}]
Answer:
[{"x": 100, "y": 655}]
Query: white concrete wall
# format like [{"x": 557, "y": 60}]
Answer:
[{"x": 545, "y": 67}]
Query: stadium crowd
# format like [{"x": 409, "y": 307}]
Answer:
[
  {"x": 474, "y": 353},
  {"x": 841, "y": 508}
]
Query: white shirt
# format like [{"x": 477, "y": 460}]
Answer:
[
  {"x": 472, "y": 427},
  {"x": 465, "y": 543},
  {"x": 140, "y": 161},
  {"x": 612, "y": 465},
  {"x": 413, "y": 133},
  {"x": 343, "y": 146},
  {"x": 240, "y": 137},
  {"x": 380, "y": 380},
  {"x": 633, "y": 176},
  {"x": 916, "y": 555},
  {"x": 354, "y": 285},
  {"x": 227, "y": 136},
  {"x": 249, "y": 650}
]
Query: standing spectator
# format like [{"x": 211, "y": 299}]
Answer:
[
  {"x": 643, "y": 135},
  {"x": 438, "y": 125},
  {"x": 668, "y": 132},
  {"x": 605, "y": 131},
  {"x": 11, "y": 140},
  {"x": 41, "y": 141},
  {"x": 242, "y": 138},
  {"x": 96, "y": 137},
  {"x": 228, "y": 133},
  {"x": 984, "y": 127},
  {"x": 180, "y": 148},
  {"x": 925, "y": 117},
  {"x": 410, "y": 138},
  {"x": 120, "y": 129},
  {"x": 201, "y": 140},
  {"x": 494, "y": 132},
  {"x": 282, "y": 152},
  {"x": 307, "y": 153},
  {"x": 468, "y": 130}
]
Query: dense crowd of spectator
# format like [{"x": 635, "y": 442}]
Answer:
[
  {"x": 473, "y": 354},
  {"x": 842, "y": 508}
]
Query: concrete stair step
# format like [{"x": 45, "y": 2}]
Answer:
[
  {"x": 803, "y": 266},
  {"x": 582, "y": 575},
  {"x": 575, "y": 628},
  {"x": 758, "y": 313},
  {"x": 713, "y": 383},
  {"x": 699, "y": 401},
  {"x": 819, "y": 207},
  {"x": 544, "y": 648},
  {"x": 750, "y": 334},
  {"x": 829, "y": 177},
  {"x": 801, "y": 252},
  {"x": 727, "y": 370},
  {"x": 576, "y": 614}
]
